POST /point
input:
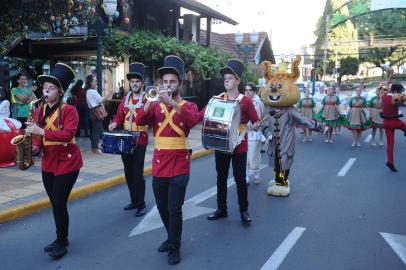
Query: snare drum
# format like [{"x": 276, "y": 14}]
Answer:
[
  {"x": 117, "y": 143},
  {"x": 221, "y": 125}
]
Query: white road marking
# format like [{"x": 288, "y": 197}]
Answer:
[
  {"x": 152, "y": 220},
  {"x": 368, "y": 138},
  {"x": 282, "y": 251},
  {"x": 397, "y": 243},
  {"x": 346, "y": 167}
]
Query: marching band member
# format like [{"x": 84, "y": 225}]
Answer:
[
  {"x": 375, "y": 109},
  {"x": 391, "y": 121},
  {"x": 133, "y": 162},
  {"x": 254, "y": 137},
  {"x": 171, "y": 119},
  {"x": 232, "y": 74},
  {"x": 56, "y": 123},
  {"x": 306, "y": 106}
]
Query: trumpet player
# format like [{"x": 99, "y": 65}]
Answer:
[
  {"x": 390, "y": 114},
  {"x": 133, "y": 162},
  {"x": 171, "y": 118},
  {"x": 55, "y": 124}
]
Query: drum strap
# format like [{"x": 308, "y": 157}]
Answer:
[
  {"x": 50, "y": 126},
  {"x": 131, "y": 114}
]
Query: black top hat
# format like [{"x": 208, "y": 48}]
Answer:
[
  {"x": 174, "y": 65},
  {"x": 61, "y": 75},
  {"x": 137, "y": 70},
  {"x": 235, "y": 67}
]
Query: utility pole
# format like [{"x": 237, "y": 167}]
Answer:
[{"x": 325, "y": 47}]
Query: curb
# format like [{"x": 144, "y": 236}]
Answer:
[{"x": 37, "y": 205}]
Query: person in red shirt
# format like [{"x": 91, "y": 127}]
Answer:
[
  {"x": 232, "y": 77},
  {"x": 390, "y": 114},
  {"x": 54, "y": 126},
  {"x": 128, "y": 109},
  {"x": 171, "y": 119}
]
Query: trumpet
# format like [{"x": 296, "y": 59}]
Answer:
[{"x": 152, "y": 93}]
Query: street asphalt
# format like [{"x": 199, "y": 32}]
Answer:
[{"x": 327, "y": 222}]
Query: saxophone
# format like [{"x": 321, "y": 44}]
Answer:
[{"x": 23, "y": 143}]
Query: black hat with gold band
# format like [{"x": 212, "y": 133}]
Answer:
[
  {"x": 137, "y": 70},
  {"x": 61, "y": 75},
  {"x": 234, "y": 67}
]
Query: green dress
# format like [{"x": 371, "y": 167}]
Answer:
[
  {"x": 329, "y": 113},
  {"x": 356, "y": 117}
]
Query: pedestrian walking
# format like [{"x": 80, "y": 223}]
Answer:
[{"x": 94, "y": 101}]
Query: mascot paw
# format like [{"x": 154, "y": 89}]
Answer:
[{"x": 277, "y": 190}]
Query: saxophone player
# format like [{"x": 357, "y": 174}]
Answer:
[{"x": 53, "y": 128}]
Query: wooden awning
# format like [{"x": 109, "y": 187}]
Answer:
[{"x": 53, "y": 47}]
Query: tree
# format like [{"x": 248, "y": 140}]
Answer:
[
  {"x": 341, "y": 39},
  {"x": 349, "y": 66}
]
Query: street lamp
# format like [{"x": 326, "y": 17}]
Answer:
[
  {"x": 245, "y": 49},
  {"x": 98, "y": 26}
]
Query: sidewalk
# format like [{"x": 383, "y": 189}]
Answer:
[{"x": 18, "y": 187}]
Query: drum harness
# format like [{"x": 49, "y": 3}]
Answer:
[{"x": 132, "y": 108}]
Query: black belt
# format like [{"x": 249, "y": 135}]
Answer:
[{"x": 390, "y": 117}]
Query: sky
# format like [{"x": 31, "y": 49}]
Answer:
[{"x": 290, "y": 23}]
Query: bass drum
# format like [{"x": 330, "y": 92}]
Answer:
[{"x": 221, "y": 125}]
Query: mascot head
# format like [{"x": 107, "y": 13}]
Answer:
[{"x": 280, "y": 89}]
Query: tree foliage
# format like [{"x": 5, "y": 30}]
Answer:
[
  {"x": 152, "y": 47},
  {"x": 348, "y": 66}
]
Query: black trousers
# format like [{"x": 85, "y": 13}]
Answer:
[
  {"x": 169, "y": 196},
  {"x": 97, "y": 130},
  {"x": 58, "y": 188},
  {"x": 134, "y": 175},
  {"x": 239, "y": 162}
]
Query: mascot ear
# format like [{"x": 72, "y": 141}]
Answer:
[
  {"x": 267, "y": 68},
  {"x": 295, "y": 73}
]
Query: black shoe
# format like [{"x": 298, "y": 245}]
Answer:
[
  {"x": 218, "y": 214},
  {"x": 262, "y": 151},
  {"x": 164, "y": 247},
  {"x": 140, "y": 211},
  {"x": 174, "y": 256},
  {"x": 129, "y": 206},
  {"x": 245, "y": 218},
  {"x": 59, "y": 250},
  {"x": 51, "y": 246},
  {"x": 391, "y": 167}
]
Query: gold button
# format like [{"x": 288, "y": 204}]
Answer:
[
  {"x": 181, "y": 124},
  {"x": 159, "y": 123},
  {"x": 162, "y": 111},
  {"x": 69, "y": 155},
  {"x": 158, "y": 161}
]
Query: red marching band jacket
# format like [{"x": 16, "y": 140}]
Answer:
[
  {"x": 60, "y": 153},
  {"x": 248, "y": 113},
  {"x": 122, "y": 119},
  {"x": 171, "y": 129}
]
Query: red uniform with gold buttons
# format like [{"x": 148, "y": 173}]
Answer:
[
  {"x": 123, "y": 115},
  {"x": 60, "y": 153},
  {"x": 171, "y": 129}
]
